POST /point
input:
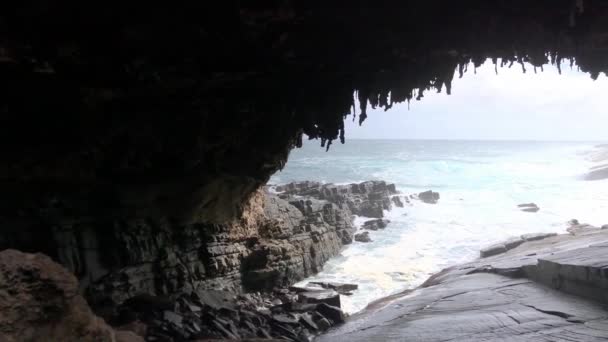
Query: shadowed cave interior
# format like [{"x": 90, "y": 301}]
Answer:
[{"x": 135, "y": 139}]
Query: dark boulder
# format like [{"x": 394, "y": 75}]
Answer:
[
  {"x": 429, "y": 197},
  {"x": 375, "y": 224},
  {"x": 363, "y": 237}
]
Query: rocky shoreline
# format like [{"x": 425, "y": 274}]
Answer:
[
  {"x": 537, "y": 287},
  {"x": 236, "y": 282},
  {"x": 228, "y": 281}
]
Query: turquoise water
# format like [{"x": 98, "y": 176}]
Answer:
[{"x": 480, "y": 184}]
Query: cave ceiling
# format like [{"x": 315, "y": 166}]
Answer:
[{"x": 130, "y": 108}]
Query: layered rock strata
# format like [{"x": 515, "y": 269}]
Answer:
[
  {"x": 546, "y": 288},
  {"x": 162, "y": 280},
  {"x": 275, "y": 242}
]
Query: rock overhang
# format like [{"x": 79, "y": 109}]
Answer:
[{"x": 186, "y": 111}]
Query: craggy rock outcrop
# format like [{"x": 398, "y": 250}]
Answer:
[
  {"x": 285, "y": 315},
  {"x": 178, "y": 281},
  {"x": 114, "y": 123},
  {"x": 137, "y": 134},
  {"x": 39, "y": 301},
  {"x": 363, "y": 237},
  {"x": 367, "y": 199},
  {"x": 296, "y": 241},
  {"x": 375, "y": 224},
  {"x": 548, "y": 288},
  {"x": 275, "y": 243}
]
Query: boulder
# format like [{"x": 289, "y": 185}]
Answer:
[
  {"x": 375, "y": 224},
  {"x": 329, "y": 297},
  {"x": 40, "y": 301},
  {"x": 363, "y": 237},
  {"x": 429, "y": 197}
]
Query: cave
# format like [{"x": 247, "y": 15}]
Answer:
[{"x": 136, "y": 139}]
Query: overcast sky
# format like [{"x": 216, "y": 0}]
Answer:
[{"x": 510, "y": 105}]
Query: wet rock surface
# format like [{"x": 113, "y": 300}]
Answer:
[
  {"x": 367, "y": 199},
  {"x": 546, "y": 287},
  {"x": 164, "y": 280},
  {"x": 375, "y": 224},
  {"x": 363, "y": 237},
  {"x": 283, "y": 315},
  {"x": 429, "y": 197}
]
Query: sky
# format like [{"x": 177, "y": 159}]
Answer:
[{"x": 508, "y": 106}]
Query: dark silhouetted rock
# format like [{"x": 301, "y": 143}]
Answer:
[
  {"x": 375, "y": 224},
  {"x": 429, "y": 197},
  {"x": 363, "y": 237}
]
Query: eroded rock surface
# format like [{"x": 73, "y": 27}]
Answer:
[
  {"x": 39, "y": 301},
  {"x": 363, "y": 237},
  {"x": 275, "y": 243},
  {"x": 367, "y": 199},
  {"x": 547, "y": 288}
]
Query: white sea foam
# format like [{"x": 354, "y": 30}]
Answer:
[{"x": 480, "y": 184}]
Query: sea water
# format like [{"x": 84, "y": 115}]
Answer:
[{"x": 480, "y": 183}]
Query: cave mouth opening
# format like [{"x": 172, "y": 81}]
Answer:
[
  {"x": 136, "y": 141},
  {"x": 502, "y": 138}
]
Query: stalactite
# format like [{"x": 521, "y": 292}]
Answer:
[{"x": 362, "y": 95}]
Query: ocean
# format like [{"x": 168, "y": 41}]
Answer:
[{"x": 480, "y": 183}]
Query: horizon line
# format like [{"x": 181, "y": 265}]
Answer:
[{"x": 481, "y": 139}]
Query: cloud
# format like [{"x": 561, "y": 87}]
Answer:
[{"x": 510, "y": 105}]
